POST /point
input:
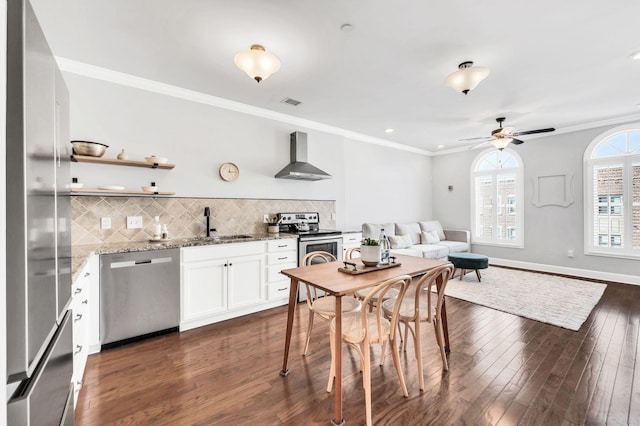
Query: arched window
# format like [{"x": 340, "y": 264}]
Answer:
[
  {"x": 496, "y": 199},
  {"x": 612, "y": 193}
]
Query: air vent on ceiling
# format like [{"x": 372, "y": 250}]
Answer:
[{"x": 291, "y": 101}]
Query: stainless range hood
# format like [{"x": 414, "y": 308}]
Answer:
[{"x": 298, "y": 168}]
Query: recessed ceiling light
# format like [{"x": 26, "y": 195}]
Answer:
[
  {"x": 440, "y": 146},
  {"x": 635, "y": 55},
  {"x": 388, "y": 130}
]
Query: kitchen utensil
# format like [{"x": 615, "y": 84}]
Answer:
[
  {"x": 302, "y": 226},
  {"x": 92, "y": 149},
  {"x": 157, "y": 160}
]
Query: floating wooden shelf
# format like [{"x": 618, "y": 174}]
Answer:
[
  {"x": 120, "y": 192},
  {"x": 116, "y": 162}
]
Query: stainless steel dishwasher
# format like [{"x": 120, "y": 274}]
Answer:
[{"x": 139, "y": 295}]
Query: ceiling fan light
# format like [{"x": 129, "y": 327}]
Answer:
[
  {"x": 467, "y": 77},
  {"x": 257, "y": 63},
  {"x": 501, "y": 143}
]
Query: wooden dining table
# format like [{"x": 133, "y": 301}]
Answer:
[{"x": 327, "y": 277}]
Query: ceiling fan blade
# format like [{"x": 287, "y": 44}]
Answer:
[
  {"x": 479, "y": 144},
  {"x": 531, "y": 132},
  {"x": 483, "y": 138},
  {"x": 516, "y": 141}
]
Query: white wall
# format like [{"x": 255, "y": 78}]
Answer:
[
  {"x": 550, "y": 231},
  {"x": 198, "y": 137},
  {"x": 385, "y": 185}
]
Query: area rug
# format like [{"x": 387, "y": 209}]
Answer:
[{"x": 564, "y": 302}]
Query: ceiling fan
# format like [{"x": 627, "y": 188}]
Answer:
[{"x": 503, "y": 136}]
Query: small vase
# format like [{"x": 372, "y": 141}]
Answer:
[
  {"x": 123, "y": 155},
  {"x": 370, "y": 255}
]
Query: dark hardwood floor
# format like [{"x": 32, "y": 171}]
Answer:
[{"x": 504, "y": 370}]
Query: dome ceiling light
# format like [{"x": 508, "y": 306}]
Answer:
[
  {"x": 467, "y": 77},
  {"x": 257, "y": 63}
]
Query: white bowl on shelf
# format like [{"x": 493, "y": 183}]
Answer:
[
  {"x": 75, "y": 185},
  {"x": 150, "y": 189},
  {"x": 156, "y": 160}
]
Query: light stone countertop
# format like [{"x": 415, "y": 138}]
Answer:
[{"x": 80, "y": 253}]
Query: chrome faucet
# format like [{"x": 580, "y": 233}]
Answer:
[{"x": 207, "y": 214}]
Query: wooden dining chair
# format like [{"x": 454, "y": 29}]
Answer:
[
  {"x": 352, "y": 253},
  {"x": 418, "y": 308},
  {"x": 361, "y": 329},
  {"x": 325, "y": 306}
]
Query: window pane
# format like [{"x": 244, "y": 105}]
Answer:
[
  {"x": 634, "y": 142},
  {"x": 506, "y": 188},
  {"x": 608, "y": 204},
  {"x": 483, "y": 208}
]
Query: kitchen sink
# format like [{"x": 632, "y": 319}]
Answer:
[{"x": 221, "y": 238}]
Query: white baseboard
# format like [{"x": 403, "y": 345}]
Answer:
[{"x": 583, "y": 273}]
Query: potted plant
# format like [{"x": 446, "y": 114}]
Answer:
[{"x": 369, "y": 251}]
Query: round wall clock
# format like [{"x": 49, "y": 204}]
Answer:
[{"x": 229, "y": 172}]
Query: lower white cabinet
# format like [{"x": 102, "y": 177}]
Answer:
[
  {"x": 350, "y": 240},
  {"x": 85, "y": 316},
  {"x": 281, "y": 254},
  {"x": 222, "y": 281}
]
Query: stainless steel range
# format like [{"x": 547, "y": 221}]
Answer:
[{"x": 310, "y": 237}]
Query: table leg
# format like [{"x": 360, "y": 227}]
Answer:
[
  {"x": 337, "y": 417},
  {"x": 445, "y": 326},
  {"x": 293, "y": 299}
]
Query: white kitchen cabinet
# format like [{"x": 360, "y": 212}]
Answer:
[
  {"x": 350, "y": 240},
  {"x": 281, "y": 254},
  {"x": 220, "y": 282},
  {"x": 85, "y": 314}
]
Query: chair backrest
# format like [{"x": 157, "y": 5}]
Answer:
[
  {"x": 310, "y": 259},
  {"x": 427, "y": 281},
  {"x": 401, "y": 284},
  {"x": 352, "y": 253}
]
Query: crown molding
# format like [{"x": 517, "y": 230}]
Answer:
[{"x": 116, "y": 77}]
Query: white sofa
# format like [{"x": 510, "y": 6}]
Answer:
[{"x": 423, "y": 239}]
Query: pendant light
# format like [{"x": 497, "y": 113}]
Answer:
[
  {"x": 467, "y": 77},
  {"x": 257, "y": 63}
]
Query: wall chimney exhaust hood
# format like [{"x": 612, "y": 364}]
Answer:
[{"x": 298, "y": 168}]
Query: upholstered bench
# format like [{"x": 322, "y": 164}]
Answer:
[{"x": 468, "y": 261}]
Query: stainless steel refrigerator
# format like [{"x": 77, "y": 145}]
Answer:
[{"x": 38, "y": 228}]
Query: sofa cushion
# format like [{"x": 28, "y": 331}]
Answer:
[
  {"x": 399, "y": 241},
  {"x": 432, "y": 225},
  {"x": 411, "y": 229},
  {"x": 411, "y": 251},
  {"x": 372, "y": 230},
  {"x": 432, "y": 251},
  {"x": 430, "y": 237},
  {"x": 455, "y": 246}
]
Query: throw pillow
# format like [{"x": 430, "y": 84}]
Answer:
[
  {"x": 399, "y": 241},
  {"x": 431, "y": 237}
]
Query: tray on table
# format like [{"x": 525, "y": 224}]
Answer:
[{"x": 353, "y": 268}]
